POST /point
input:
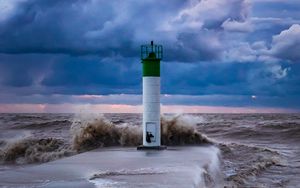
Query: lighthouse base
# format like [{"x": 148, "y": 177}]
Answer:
[{"x": 141, "y": 147}]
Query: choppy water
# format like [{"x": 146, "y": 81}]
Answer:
[{"x": 257, "y": 150}]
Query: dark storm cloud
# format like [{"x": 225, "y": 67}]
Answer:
[
  {"x": 106, "y": 28},
  {"x": 61, "y": 78},
  {"x": 190, "y": 30},
  {"x": 23, "y": 70},
  {"x": 61, "y": 74},
  {"x": 50, "y": 27},
  {"x": 231, "y": 79},
  {"x": 92, "y": 75},
  {"x": 54, "y": 51}
]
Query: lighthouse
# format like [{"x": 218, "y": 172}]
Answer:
[{"x": 150, "y": 57}]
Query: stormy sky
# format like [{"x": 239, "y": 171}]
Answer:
[{"x": 61, "y": 55}]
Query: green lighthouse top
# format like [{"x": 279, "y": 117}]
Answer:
[{"x": 151, "y": 51}]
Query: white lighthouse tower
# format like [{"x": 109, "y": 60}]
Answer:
[{"x": 151, "y": 56}]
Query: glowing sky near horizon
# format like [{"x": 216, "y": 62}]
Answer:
[{"x": 219, "y": 56}]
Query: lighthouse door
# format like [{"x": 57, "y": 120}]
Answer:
[{"x": 150, "y": 132}]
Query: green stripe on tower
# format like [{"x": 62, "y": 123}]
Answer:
[{"x": 151, "y": 67}]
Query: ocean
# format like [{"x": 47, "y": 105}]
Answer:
[{"x": 254, "y": 150}]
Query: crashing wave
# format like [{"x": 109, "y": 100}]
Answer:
[
  {"x": 33, "y": 151},
  {"x": 92, "y": 132},
  {"x": 100, "y": 132}
]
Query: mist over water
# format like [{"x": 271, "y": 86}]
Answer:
[{"x": 254, "y": 149}]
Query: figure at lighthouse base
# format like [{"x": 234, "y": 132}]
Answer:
[{"x": 151, "y": 137}]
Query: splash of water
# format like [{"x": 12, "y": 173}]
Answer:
[
  {"x": 90, "y": 133},
  {"x": 93, "y": 131},
  {"x": 181, "y": 130},
  {"x": 33, "y": 151}
]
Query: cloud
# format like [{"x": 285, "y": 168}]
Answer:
[
  {"x": 278, "y": 71},
  {"x": 242, "y": 52},
  {"x": 23, "y": 70},
  {"x": 55, "y": 51},
  {"x": 276, "y": 8},
  {"x": 235, "y": 26},
  {"x": 286, "y": 45},
  {"x": 7, "y": 8},
  {"x": 107, "y": 28},
  {"x": 211, "y": 13},
  {"x": 89, "y": 75}
]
